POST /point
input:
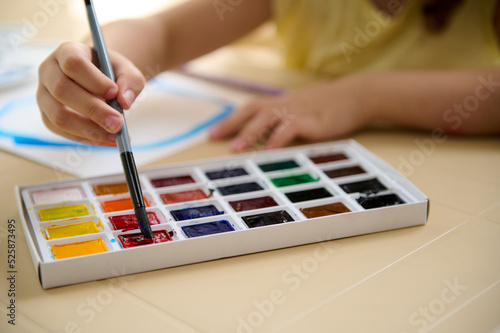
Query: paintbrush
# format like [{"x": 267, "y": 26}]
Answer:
[{"x": 122, "y": 138}]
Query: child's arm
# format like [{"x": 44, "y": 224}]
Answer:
[
  {"x": 72, "y": 91},
  {"x": 457, "y": 102},
  {"x": 177, "y": 35}
]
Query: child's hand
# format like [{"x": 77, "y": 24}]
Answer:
[
  {"x": 319, "y": 112},
  {"x": 72, "y": 92}
]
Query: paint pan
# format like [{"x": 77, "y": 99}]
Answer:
[
  {"x": 253, "y": 203},
  {"x": 325, "y": 210},
  {"x": 281, "y": 165},
  {"x": 369, "y": 202},
  {"x": 129, "y": 221},
  {"x": 343, "y": 172},
  {"x": 266, "y": 219},
  {"x": 183, "y": 196},
  {"x": 120, "y": 204},
  {"x": 110, "y": 188},
  {"x": 71, "y": 230},
  {"x": 328, "y": 157},
  {"x": 172, "y": 181},
  {"x": 293, "y": 180},
  {"x": 63, "y": 212},
  {"x": 195, "y": 212},
  {"x": 77, "y": 249},
  {"x": 207, "y": 228},
  {"x": 364, "y": 186},
  {"x": 239, "y": 188},
  {"x": 226, "y": 173},
  {"x": 138, "y": 239},
  {"x": 57, "y": 195},
  {"x": 307, "y": 195}
]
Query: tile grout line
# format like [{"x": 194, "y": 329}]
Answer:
[
  {"x": 472, "y": 214},
  {"x": 452, "y": 313},
  {"x": 367, "y": 278},
  {"x": 489, "y": 208}
]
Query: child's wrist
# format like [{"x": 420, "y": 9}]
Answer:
[{"x": 370, "y": 97}]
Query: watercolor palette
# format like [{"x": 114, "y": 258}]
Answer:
[{"x": 85, "y": 229}]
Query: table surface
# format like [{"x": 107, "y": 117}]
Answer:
[{"x": 440, "y": 277}]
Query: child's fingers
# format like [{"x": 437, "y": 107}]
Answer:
[
  {"x": 66, "y": 122},
  {"x": 72, "y": 94},
  {"x": 71, "y": 124},
  {"x": 256, "y": 130},
  {"x": 234, "y": 122},
  {"x": 68, "y": 93},
  {"x": 129, "y": 79},
  {"x": 101, "y": 139},
  {"x": 75, "y": 61},
  {"x": 282, "y": 135}
]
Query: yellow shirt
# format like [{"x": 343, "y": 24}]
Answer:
[{"x": 338, "y": 37}]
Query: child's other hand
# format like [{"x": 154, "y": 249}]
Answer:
[
  {"x": 72, "y": 92},
  {"x": 318, "y": 112}
]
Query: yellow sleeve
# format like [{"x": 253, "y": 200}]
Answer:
[{"x": 347, "y": 36}]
